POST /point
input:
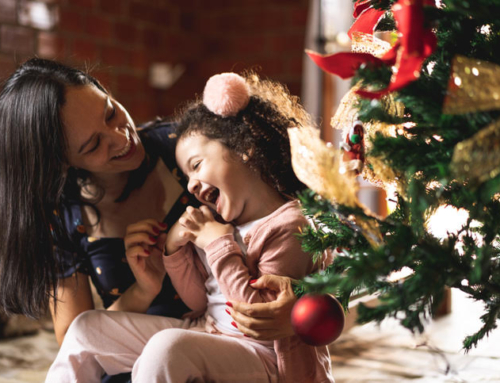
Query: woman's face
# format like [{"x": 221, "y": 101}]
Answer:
[{"x": 101, "y": 136}]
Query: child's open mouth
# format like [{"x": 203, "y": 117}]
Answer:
[{"x": 211, "y": 195}]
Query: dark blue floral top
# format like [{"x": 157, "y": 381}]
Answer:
[{"x": 104, "y": 259}]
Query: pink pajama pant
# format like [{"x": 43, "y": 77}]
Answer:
[{"x": 156, "y": 349}]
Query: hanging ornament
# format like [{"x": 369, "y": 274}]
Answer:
[
  {"x": 474, "y": 86},
  {"x": 407, "y": 56},
  {"x": 319, "y": 166},
  {"x": 375, "y": 169},
  {"x": 354, "y": 148},
  {"x": 318, "y": 320}
]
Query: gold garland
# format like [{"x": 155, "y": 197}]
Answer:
[{"x": 474, "y": 86}]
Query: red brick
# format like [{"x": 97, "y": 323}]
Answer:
[
  {"x": 187, "y": 4},
  {"x": 152, "y": 38},
  {"x": 104, "y": 76},
  {"x": 211, "y": 66},
  {"x": 269, "y": 66},
  {"x": 17, "y": 39},
  {"x": 7, "y": 66},
  {"x": 70, "y": 21},
  {"x": 298, "y": 17},
  {"x": 294, "y": 87},
  {"x": 50, "y": 45},
  {"x": 85, "y": 50},
  {"x": 8, "y": 11},
  {"x": 261, "y": 21},
  {"x": 142, "y": 109},
  {"x": 98, "y": 26},
  {"x": 139, "y": 60},
  {"x": 127, "y": 83},
  {"x": 295, "y": 64},
  {"x": 183, "y": 46},
  {"x": 290, "y": 43},
  {"x": 115, "y": 7},
  {"x": 115, "y": 56},
  {"x": 126, "y": 32},
  {"x": 148, "y": 13},
  {"x": 249, "y": 45},
  {"x": 82, "y": 3}
]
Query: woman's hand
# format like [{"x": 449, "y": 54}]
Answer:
[
  {"x": 144, "y": 242},
  {"x": 267, "y": 321}
]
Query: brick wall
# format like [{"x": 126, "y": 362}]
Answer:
[{"x": 120, "y": 39}]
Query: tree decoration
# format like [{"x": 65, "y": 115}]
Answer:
[
  {"x": 415, "y": 44},
  {"x": 477, "y": 159},
  {"x": 319, "y": 166},
  {"x": 366, "y": 17},
  {"x": 474, "y": 86},
  {"x": 317, "y": 319},
  {"x": 440, "y": 149},
  {"x": 354, "y": 148},
  {"x": 347, "y": 116}
]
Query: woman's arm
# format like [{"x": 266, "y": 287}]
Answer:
[
  {"x": 267, "y": 321},
  {"x": 73, "y": 297}
]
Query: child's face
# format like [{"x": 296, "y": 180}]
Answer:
[{"x": 218, "y": 178}]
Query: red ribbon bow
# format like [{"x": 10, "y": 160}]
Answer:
[{"x": 413, "y": 47}]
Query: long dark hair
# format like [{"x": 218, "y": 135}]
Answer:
[{"x": 33, "y": 174}]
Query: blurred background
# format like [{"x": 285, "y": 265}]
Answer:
[{"x": 154, "y": 54}]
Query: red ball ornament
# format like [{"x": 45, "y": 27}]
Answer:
[{"x": 318, "y": 319}]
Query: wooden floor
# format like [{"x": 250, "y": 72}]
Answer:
[
  {"x": 390, "y": 353},
  {"x": 368, "y": 353}
]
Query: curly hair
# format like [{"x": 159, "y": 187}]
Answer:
[{"x": 257, "y": 133}]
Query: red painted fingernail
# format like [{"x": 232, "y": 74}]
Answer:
[
  {"x": 147, "y": 251},
  {"x": 252, "y": 281},
  {"x": 163, "y": 225},
  {"x": 156, "y": 231},
  {"x": 228, "y": 311},
  {"x": 234, "y": 324},
  {"x": 229, "y": 304},
  {"x": 248, "y": 336},
  {"x": 154, "y": 239}
]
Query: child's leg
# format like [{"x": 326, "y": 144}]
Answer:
[
  {"x": 178, "y": 355},
  {"x": 105, "y": 341}
]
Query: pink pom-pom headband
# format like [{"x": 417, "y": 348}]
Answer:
[{"x": 226, "y": 94}]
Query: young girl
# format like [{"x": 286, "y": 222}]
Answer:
[{"x": 233, "y": 146}]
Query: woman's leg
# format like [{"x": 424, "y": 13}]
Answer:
[
  {"x": 178, "y": 355},
  {"x": 105, "y": 341}
]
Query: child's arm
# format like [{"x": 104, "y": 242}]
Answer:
[
  {"x": 275, "y": 250},
  {"x": 185, "y": 270}
]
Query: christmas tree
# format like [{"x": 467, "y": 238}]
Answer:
[{"x": 423, "y": 118}]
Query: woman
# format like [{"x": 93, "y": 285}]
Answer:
[{"x": 74, "y": 173}]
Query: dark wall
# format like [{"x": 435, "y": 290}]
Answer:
[{"x": 120, "y": 39}]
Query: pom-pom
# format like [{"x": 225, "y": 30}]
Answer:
[{"x": 226, "y": 94}]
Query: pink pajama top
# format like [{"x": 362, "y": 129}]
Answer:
[{"x": 272, "y": 248}]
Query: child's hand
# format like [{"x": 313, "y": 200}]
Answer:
[
  {"x": 202, "y": 226},
  {"x": 177, "y": 237}
]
